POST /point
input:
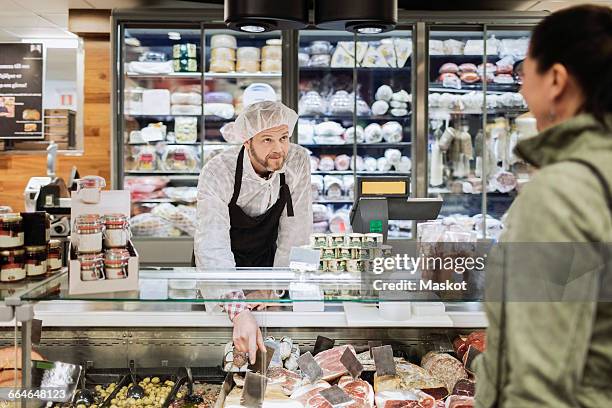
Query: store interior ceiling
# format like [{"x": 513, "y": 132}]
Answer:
[{"x": 48, "y": 19}]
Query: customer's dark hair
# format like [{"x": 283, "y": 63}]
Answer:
[{"x": 579, "y": 38}]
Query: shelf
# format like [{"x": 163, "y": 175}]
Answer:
[
  {"x": 462, "y": 57},
  {"x": 188, "y": 75},
  {"x": 164, "y": 142},
  {"x": 366, "y": 173},
  {"x": 359, "y": 145},
  {"x": 155, "y": 201},
  {"x": 350, "y": 117},
  {"x": 241, "y": 75},
  {"x": 323, "y": 201},
  {"x": 163, "y": 118},
  {"x": 509, "y": 111},
  {"x": 404, "y": 69},
  {"x": 465, "y": 88}
]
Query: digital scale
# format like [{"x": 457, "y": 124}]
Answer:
[{"x": 379, "y": 199}]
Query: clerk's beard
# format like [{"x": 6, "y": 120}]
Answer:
[{"x": 266, "y": 162}]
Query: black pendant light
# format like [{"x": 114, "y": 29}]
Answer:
[
  {"x": 356, "y": 16},
  {"x": 257, "y": 16}
]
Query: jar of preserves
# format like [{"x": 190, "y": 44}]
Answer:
[
  {"x": 11, "y": 230},
  {"x": 36, "y": 260},
  {"x": 54, "y": 256},
  {"x": 116, "y": 231},
  {"x": 12, "y": 265},
  {"x": 116, "y": 263},
  {"x": 88, "y": 230},
  {"x": 91, "y": 266},
  {"x": 89, "y": 189},
  {"x": 37, "y": 228}
]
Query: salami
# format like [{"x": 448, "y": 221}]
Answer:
[
  {"x": 329, "y": 361},
  {"x": 459, "y": 401},
  {"x": 465, "y": 387},
  {"x": 288, "y": 380},
  {"x": 445, "y": 368},
  {"x": 360, "y": 390},
  {"x": 317, "y": 401}
]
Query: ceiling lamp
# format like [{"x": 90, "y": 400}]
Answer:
[
  {"x": 257, "y": 16},
  {"x": 356, "y": 16}
]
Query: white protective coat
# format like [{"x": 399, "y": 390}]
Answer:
[{"x": 257, "y": 195}]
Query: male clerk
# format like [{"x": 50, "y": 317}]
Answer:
[{"x": 254, "y": 204}]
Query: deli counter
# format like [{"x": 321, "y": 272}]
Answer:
[{"x": 175, "y": 318}]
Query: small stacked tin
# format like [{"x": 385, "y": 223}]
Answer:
[{"x": 347, "y": 252}]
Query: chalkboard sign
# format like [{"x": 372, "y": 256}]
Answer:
[{"x": 21, "y": 85}]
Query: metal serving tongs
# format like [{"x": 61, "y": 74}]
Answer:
[{"x": 191, "y": 398}]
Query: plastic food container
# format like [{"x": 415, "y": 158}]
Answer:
[
  {"x": 91, "y": 266},
  {"x": 116, "y": 231},
  {"x": 11, "y": 230},
  {"x": 116, "y": 263},
  {"x": 36, "y": 260},
  {"x": 54, "y": 255},
  {"x": 12, "y": 265},
  {"x": 88, "y": 230}
]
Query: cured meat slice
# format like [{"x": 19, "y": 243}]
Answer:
[
  {"x": 402, "y": 404},
  {"x": 287, "y": 380},
  {"x": 360, "y": 390},
  {"x": 439, "y": 393},
  {"x": 459, "y": 401},
  {"x": 445, "y": 368},
  {"x": 317, "y": 401},
  {"x": 449, "y": 68},
  {"x": 478, "y": 339},
  {"x": 465, "y": 387},
  {"x": 470, "y": 77},
  {"x": 329, "y": 361},
  {"x": 467, "y": 67},
  {"x": 304, "y": 393}
]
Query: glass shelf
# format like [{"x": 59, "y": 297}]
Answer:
[{"x": 192, "y": 285}]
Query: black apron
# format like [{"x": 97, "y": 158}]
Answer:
[{"x": 254, "y": 238}]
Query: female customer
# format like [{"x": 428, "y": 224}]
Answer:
[{"x": 552, "y": 352}]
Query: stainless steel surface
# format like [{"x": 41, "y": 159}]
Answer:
[{"x": 420, "y": 120}]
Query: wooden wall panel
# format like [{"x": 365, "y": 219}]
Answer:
[{"x": 15, "y": 170}]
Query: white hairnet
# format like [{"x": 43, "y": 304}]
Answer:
[
  {"x": 258, "y": 117},
  {"x": 257, "y": 92}
]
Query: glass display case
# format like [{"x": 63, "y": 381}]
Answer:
[
  {"x": 474, "y": 102},
  {"x": 355, "y": 104},
  {"x": 179, "y": 85}
]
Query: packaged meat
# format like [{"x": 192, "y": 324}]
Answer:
[
  {"x": 505, "y": 65},
  {"x": 468, "y": 67},
  {"x": 379, "y": 108},
  {"x": 329, "y": 361},
  {"x": 453, "y": 47},
  {"x": 223, "y": 41},
  {"x": 383, "y": 165},
  {"x": 399, "y": 112},
  {"x": 405, "y": 165},
  {"x": 156, "y": 102},
  {"x": 398, "y": 105},
  {"x": 222, "y": 110},
  {"x": 320, "y": 47},
  {"x": 328, "y": 128},
  {"x": 404, "y": 399},
  {"x": 327, "y": 163},
  {"x": 320, "y": 61},
  {"x": 342, "y": 162},
  {"x": 503, "y": 79},
  {"x": 288, "y": 380},
  {"x": 449, "y": 68},
  {"x": 180, "y": 158},
  {"x": 469, "y": 77},
  {"x": 373, "y": 133},
  {"x": 149, "y": 225},
  {"x": 271, "y": 65},
  {"x": 370, "y": 164},
  {"x": 150, "y": 67},
  {"x": 273, "y": 398},
  {"x": 401, "y": 96},
  {"x": 450, "y": 81},
  {"x": 146, "y": 159},
  {"x": 436, "y": 47},
  {"x": 186, "y": 98},
  {"x": 186, "y": 129},
  {"x": 195, "y": 110},
  {"x": 362, "y": 108},
  {"x": 393, "y": 156},
  {"x": 314, "y": 163},
  {"x": 349, "y": 134},
  {"x": 218, "y": 97},
  {"x": 311, "y": 104},
  {"x": 504, "y": 181},
  {"x": 491, "y": 68},
  {"x": 445, "y": 368},
  {"x": 357, "y": 163},
  {"x": 392, "y": 132},
  {"x": 465, "y": 387},
  {"x": 340, "y": 222},
  {"x": 340, "y": 103},
  {"x": 303, "y": 59},
  {"x": 342, "y": 59},
  {"x": 320, "y": 213},
  {"x": 333, "y": 187},
  {"x": 460, "y": 401}
]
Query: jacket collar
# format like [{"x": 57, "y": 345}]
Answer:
[{"x": 563, "y": 140}]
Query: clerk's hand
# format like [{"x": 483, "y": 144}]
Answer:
[{"x": 247, "y": 335}]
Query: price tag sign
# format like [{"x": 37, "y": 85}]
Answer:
[
  {"x": 310, "y": 367},
  {"x": 336, "y": 396},
  {"x": 254, "y": 390},
  {"x": 322, "y": 344},
  {"x": 383, "y": 359},
  {"x": 349, "y": 360}
]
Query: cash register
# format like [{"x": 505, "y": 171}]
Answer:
[{"x": 379, "y": 199}]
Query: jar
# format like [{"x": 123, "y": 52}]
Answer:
[
  {"x": 344, "y": 254},
  {"x": 12, "y": 265},
  {"x": 372, "y": 240},
  {"x": 354, "y": 266},
  {"x": 54, "y": 255},
  {"x": 355, "y": 240},
  {"x": 88, "y": 232},
  {"x": 116, "y": 263},
  {"x": 37, "y": 228},
  {"x": 336, "y": 240},
  {"x": 329, "y": 253},
  {"x": 91, "y": 266},
  {"x": 11, "y": 230},
  {"x": 89, "y": 189},
  {"x": 116, "y": 231},
  {"x": 318, "y": 240},
  {"x": 36, "y": 260}
]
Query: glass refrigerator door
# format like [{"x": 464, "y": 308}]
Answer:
[
  {"x": 331, "y": 63},
  {"x": 462, "y": 165},
  {"x": 159, "y": 126},
  {"x": 233, "y": 61}
]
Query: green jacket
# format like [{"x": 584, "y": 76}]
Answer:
[{"x": 559, "y": 353}]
